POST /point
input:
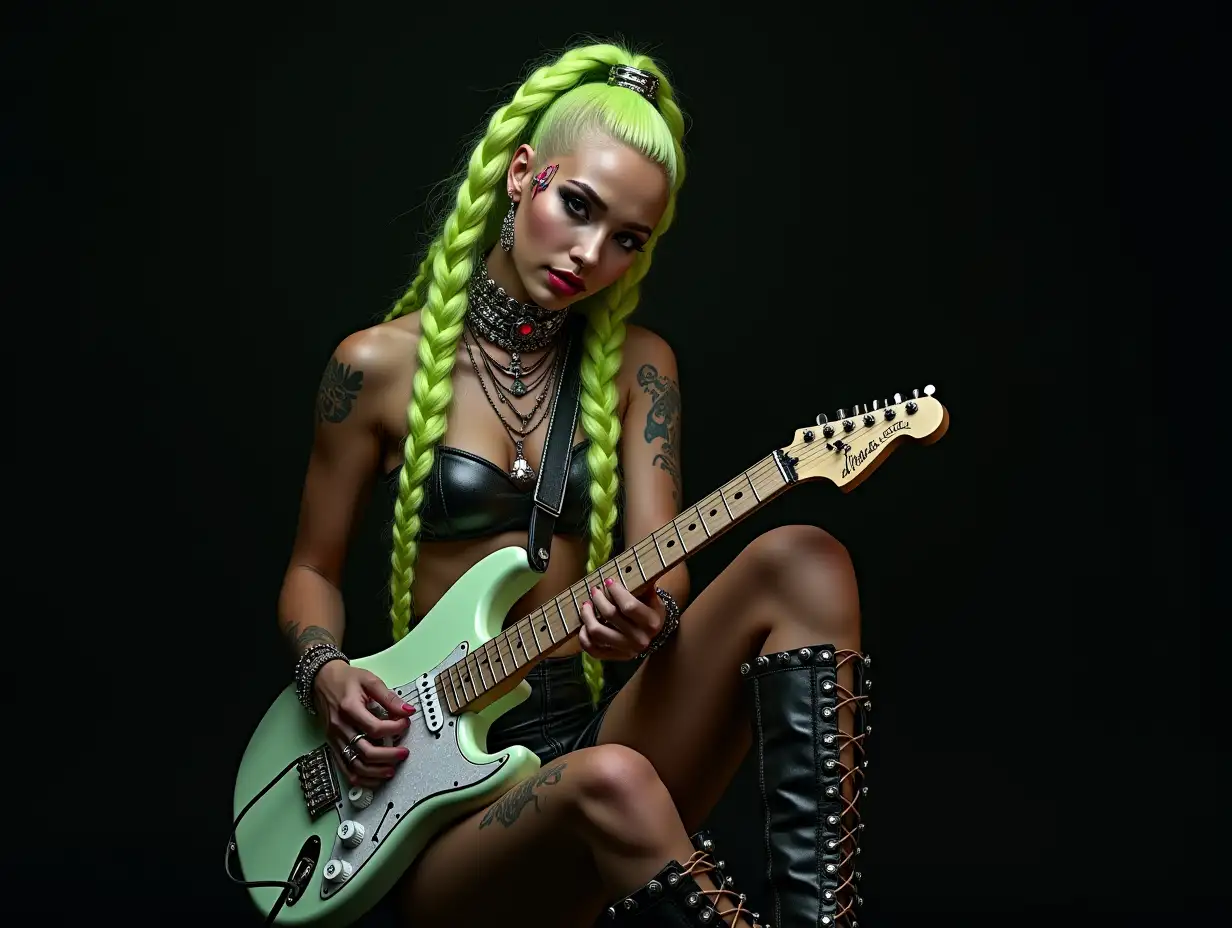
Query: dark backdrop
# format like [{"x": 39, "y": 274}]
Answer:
[{"x": 995, "y": 202}]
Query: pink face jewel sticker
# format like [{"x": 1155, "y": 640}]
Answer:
[{"x": 541, "y": 181}]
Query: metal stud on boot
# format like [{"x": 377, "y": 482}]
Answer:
[
  {"x": 811, "y": 795},
  {"x": 675, "y": 899}
]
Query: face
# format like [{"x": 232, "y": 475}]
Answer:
[{"x": 580, "y": 226}]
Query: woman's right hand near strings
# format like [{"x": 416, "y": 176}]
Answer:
[{"x": 342, "y": 695}]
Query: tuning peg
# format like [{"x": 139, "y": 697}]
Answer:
[
  {"x": 821, "y": 418},
  {"x": 930, "y": 390},
  {"x": 915, "y": 393},
  {"x": 842, "y": 413},
  {"x": 875, "y": 406},
  {"x": 898, "y": 398}
]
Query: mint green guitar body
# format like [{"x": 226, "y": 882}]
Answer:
[{"x": 448, "y": 774}]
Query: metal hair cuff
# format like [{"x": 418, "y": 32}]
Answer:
[{"x": 635, "y": 79}]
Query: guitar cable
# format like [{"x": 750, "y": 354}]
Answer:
[{"x": 288, "y": 888}]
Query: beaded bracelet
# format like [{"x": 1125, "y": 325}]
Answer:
[
  {"x": 671, "y": 622},
  {"x": 306, "y": 668}
]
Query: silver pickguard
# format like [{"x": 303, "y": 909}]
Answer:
[{"x": 435, "y": 766}]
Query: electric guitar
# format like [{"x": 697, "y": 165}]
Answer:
[{"x": 315, "y": 852}]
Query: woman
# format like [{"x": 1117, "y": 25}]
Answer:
[{"x": 562, "y": 204}]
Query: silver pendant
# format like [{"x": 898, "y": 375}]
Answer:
[
  {"x": 522, "y": 474},
  {"x": 515, "y": 368}
]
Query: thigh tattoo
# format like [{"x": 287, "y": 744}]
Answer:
[{"x": 507, "y": 809}]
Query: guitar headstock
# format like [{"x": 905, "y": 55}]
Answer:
[{"x": 848, "y": 448}]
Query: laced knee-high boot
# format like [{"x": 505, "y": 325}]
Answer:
[
  {"x": 809, "y": 737},
  {"x": 675, "y": 898}
]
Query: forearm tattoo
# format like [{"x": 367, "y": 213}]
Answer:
[
  {"x": 507, "y": 809},
  {"x": 663, "y": 421},
  {"x": 313, "y": 634},
  {"x": 340, "y": 386}
]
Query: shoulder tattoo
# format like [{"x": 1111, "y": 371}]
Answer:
[
  {"x": 340, "y": 386},
  {"x": 663, "y": 422}
]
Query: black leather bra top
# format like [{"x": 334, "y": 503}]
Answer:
[{"x": 470, "y": 497}]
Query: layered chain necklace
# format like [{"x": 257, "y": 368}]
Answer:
[
  {"x": 516, "y": 327},
  {"x": 509, "y": 324}
]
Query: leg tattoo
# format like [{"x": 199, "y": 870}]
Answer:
[{"x": 507, "y": 809}]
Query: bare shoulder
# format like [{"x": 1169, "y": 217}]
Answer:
[
  {"x": 381, "y": 351},
  {"x": 649, "y": 362},
  {"x": 376, "y": 360},
  {"x": 649, "y": 366}
]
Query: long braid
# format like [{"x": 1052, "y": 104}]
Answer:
[
  {"x": 443, "y": 278},
  {"x": 416, "y": 294},
  {"x": 603, "y": 343}
]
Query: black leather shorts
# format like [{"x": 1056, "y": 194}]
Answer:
[{"x": 558, "y": 716}]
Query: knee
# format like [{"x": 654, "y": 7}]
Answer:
[
  {"x": 794, "y": 550},
  {"x": 808, "y": 572},
  {"x": 616, "y": 776},
  {"x": 619, "y": 794}
]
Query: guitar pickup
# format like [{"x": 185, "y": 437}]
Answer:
[
  {"x": 429, "y": 705},
  {"x": 318, "y": 781}
]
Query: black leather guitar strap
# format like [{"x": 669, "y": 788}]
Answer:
[{"x": 557, "y": 448}]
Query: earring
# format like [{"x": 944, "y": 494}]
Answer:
[{"x": 506, "y": 233}]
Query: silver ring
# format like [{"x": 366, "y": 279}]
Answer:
[{"x": 349, "y": 754}]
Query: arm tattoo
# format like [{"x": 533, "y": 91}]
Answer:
[
  {"x": 663, "y": 421},
  {"x": 313, "y": 634},
  {"x": 507, "y": 809},
  {"x": 340, "y": 385}
]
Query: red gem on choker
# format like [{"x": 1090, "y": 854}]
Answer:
[{"x": 525, "y": 329}]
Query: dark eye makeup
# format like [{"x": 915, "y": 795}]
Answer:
[{"x": 578, "y": 207}]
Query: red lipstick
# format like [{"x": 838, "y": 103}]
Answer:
[{"x": 565, "y": 283}]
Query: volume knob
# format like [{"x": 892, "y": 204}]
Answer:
[
  {"x": 337, "y": 871},
  {"x": 359, "y": 796},
  {"x": 350, "y": 833}
]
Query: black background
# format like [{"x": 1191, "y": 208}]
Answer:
[{"x": 1014, "y": 204}]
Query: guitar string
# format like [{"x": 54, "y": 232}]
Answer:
[{"x": 761, "y": 469}]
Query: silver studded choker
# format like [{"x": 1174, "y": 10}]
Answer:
[{"x": 505, "y": 322}]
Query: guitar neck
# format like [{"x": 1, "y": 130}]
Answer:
[{"x": 637, "y": 567}]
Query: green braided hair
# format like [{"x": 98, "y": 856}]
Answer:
[{"x": 558, "y": 106}]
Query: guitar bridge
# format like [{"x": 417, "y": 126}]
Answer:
[{"x": 318, "y": 781}]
